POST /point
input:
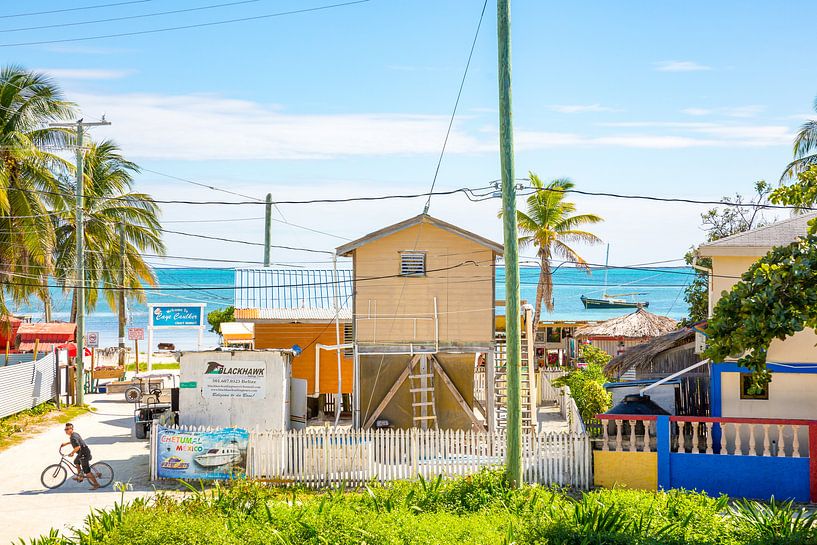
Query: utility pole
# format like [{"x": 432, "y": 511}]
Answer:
[
  {"x": 267, "y": 230},
  {"x": 513, "y": 461},
  {"x": 79, "y": 288},
  {"x": 123, "y": 319}
]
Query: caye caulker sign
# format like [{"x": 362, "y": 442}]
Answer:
[{"x": 176, "y": 315}]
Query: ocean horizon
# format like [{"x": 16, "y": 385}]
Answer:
[{"x": 661, "y": 287}]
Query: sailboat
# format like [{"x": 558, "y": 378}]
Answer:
[{"x": 613, "y": 300}]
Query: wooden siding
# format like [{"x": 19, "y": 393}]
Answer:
[
  {"x": 465, "y": 294},
  {"x": 303, "y": 366}
]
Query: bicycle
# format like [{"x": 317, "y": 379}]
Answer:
[{"x": 55, "y": 475}]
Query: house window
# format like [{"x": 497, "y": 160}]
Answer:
[
  {"x": 412, "y": 263},
  {"x": 746, "y": 383},
  {"x": 348, "y": 338}
]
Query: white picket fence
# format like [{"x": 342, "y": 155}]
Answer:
[
  {"x": 547, "y": 393},
  {"x": 321, "y": 457},
  {"x": 570, "y": 412}
]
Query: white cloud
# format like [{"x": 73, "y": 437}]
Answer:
[
  {"x": 680, "y": 66},
  {"x": 85, "y": 73},
  {"x": 210, "y": 127},
  {"x": 580, "y": 108},
  {"x": 196, "y": 127},
  {"x": 735, "y": 111}
]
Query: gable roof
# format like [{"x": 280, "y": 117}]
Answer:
[
  {"x": 349, "y": 247},
  {"x": 758, "y": 242}
]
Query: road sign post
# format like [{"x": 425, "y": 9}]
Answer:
[{"x": 136, "y": 334}]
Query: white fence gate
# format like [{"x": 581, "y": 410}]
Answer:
[{"x": 319, "y": 457}]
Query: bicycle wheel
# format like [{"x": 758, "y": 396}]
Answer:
[
  {"x": 103, "y": 473},
  {"x": 53, "y": 476}
]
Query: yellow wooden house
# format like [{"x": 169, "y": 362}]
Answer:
[{"x": 423, "y": 312}]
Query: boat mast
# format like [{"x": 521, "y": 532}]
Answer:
[{"x": 606, "y": 261}]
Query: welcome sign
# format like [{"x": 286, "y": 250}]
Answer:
[{"x": 176, "y": 316}]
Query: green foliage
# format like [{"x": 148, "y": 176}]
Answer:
[
  {"x": 594, "y": 355},
  {"x": 218, "y": 316},
  {"x": 480, "y": 509},
  {"x": 776, "y": 523},
  {"x": 802, "y": 193},
  {"x": 587, "y": 384},
  {"x": 774, "y": 300}
]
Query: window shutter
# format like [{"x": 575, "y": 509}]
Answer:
[
  {"x": 348, "y": 337},
  {"x": 412, "y": 264}
]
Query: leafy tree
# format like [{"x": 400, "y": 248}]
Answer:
[
  {"x": 587, "y": 384},
  {"x": 802, "y": 194},
  {"x": 549, "y": 224},
  {"x": 109, "y": 205},
  {"x": 805, "y": 149},
  {"x": 28, "y": 102},
  {"x": 774, "y": 300},
  {"x": 219, "y": 316},
  {"x": 719, "y": 223}
]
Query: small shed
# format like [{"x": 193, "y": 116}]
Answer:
[
  {"x": 245, "y": 389},
  {"x": 46, "y": 336},
  {"x": 618, "y": 335}
]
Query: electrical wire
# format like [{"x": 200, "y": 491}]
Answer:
[
  {"x": 185, "y": 27},
  {"x": 64, "y": 10},
  {"x": 456, "y": 105},
  {"x": 247, "y": 242},
  {"x": 130, "y": 17}
]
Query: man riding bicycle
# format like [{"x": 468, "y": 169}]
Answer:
[{"x": 83, "y": 459}]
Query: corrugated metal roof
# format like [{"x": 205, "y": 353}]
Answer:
[
  {"x": 280, "y": 289},
  {"x": 292, "y": 314},
  {"x": 42, "y": 348},
  {"x": 51, "y": 329}
]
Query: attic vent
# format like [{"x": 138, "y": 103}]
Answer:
[
  {"x": 348, "y": 337},
  {"x": 412, "y": 263}
]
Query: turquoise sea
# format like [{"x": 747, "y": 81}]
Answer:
[{"x": 662, "y": 287}]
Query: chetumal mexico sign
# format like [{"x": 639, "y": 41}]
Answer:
[{"x": 176, "y": 315}]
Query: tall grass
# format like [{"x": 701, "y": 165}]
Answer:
[{"x": 480, "y": 509}]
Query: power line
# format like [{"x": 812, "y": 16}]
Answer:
[
  {"x": 98, "y": 6},
  {"x": 184, "y": 27},
  {"x": 200, "y": 184},
  {"x": 130, "y": 17},
  {"x": 456, "y": 105},
  {"x": 247, "y": 242}
]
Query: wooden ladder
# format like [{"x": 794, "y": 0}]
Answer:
[{"x": 423, "y": 405}]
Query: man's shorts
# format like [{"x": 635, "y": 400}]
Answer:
[{"x": 84, "y": 462}]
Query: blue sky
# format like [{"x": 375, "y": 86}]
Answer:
[{"x": 693, "y": 99}]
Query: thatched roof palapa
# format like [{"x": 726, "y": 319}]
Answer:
[
  {"x": 642, "y": 355},
  {"x": 637, "y": 325}
]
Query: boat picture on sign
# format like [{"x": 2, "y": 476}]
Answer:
[
  {"x": 235, "y": 379},
  {"x": 218, "y": 454}
]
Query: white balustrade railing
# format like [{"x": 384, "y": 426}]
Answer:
[
  {"x": 741, "y": 437},
  {"x": 704, "y": 435}
]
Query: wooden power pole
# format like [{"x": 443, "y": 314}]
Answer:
[
  {"x": 80, "y": 263},
  {"x": 512, "y": 330}
]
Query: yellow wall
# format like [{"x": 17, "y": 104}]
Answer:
[
  {"x": 629, "y": 469},
  {"x": 303, "y": 366},
  {"x": 799, "y": 348},
  {"x": 465, "y": 294}
]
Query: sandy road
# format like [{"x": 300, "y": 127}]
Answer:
[{"x": 27, "y": 509}]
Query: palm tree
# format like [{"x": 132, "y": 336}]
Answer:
[
  {"x": 805, "y": 148},
  {"x": 109, "y": 206},
  {"x": 28, "y": 101},
  {"x": 550, "y": 225}
]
